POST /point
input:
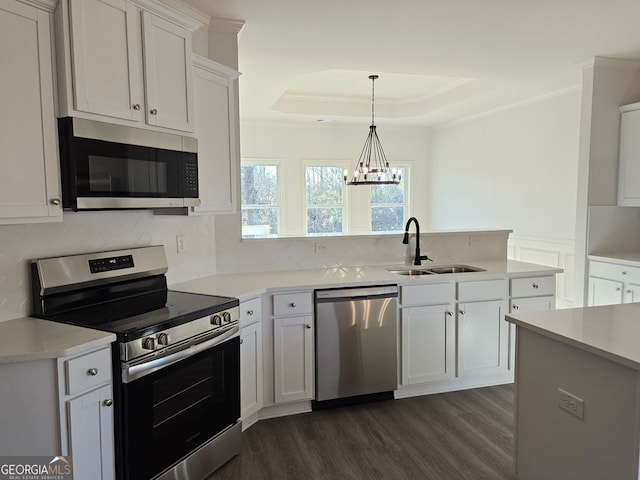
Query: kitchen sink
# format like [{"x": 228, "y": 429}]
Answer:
[
  {"x": 410, "y": 272},
  {"x": 455, "y": 269}
]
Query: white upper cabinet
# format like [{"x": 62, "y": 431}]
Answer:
[
  {"x": 629, "y": 164},
  {"x": 216, "y": 127},
  {"x": 121, "y": 63},
  {"x": 30, "y": 179}
]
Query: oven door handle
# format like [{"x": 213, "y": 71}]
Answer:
[{"x": 133, "y": 372}]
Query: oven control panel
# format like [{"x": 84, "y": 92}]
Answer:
[
  {"x": 111, "y": 263},
  {"x": 175, "y": 337}
]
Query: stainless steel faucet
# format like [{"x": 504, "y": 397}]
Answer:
[{"x": 405, "y": 240}]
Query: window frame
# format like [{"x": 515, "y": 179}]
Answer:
[
  {"x": 341, "y": 165},
  {"x": 267, "y": 162}
]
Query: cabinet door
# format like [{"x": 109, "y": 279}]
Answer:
[
  {"x": 91, "y": 434},
  {"x": 217, "y": 157},
  {"x": 631, "y": 293},
  {"x": 106, "y": 50},
  {"x": 30, "y": 179},
  {"x": 523, "y": 305},
  {"x": 428, "y": 344},
  {"x": 629, "y": 164},
  {"x": 605, "y": 292},
  {"x": 168, "y": 74},
  {"x": 482, "y": 337},
  {"x": 293, "y": 358},
  {"x": 250, "y": 370}
]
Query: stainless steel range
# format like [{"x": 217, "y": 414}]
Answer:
[{"x": 176, "y": 359}]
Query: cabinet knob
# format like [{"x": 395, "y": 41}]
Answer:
[
  {"x": 628, "y": 291},
  {"x": 624, "y": 273},
  {"x": 108, "y": 402},
  {"x": 449, "y": 314},
  {"x": 249, "y": 312},
  {"x": 136, "y": 106},
  {"x": 92, "y": 371},
  {"x": 515, "y": 307},
  {"x": 153, "y": 111},
  {"x": 618, "y": 289},
  {"x": 55, "y": 201},
  {"x": 308, "y": 325},
  {"x": 535, "y": 285},
  {"x": 461, "y": 312},
  {"x": 292, "y": 305},
  {"x": 241, "y": 341}
]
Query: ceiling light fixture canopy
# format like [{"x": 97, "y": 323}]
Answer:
[{"x": 372, "y": 167}]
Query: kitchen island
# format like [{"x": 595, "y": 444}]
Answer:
[{"x": 577, "y": 397}]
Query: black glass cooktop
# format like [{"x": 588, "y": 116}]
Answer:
[{"x": 141, "y": 315}]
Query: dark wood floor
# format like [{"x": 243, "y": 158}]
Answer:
[{"x": 451, "y": 436}]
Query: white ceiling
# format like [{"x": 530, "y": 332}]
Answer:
[{"x": 438, "y": 61}]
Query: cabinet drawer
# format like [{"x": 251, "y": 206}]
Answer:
[
  {"x": 88, "y": 371},
  {"x": 533, "y": 286},
  {"x": 251, "y": 311},
  {"x": 431, "y": 294},
  {"x": 292, "y": 303},
  {"x": 482, "y": 290},
  {"x": 614, "y": 271}
]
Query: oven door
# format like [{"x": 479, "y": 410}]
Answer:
[{"x": 172, "y": 411}]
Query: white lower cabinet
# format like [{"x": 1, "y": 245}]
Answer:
[
  {"x": 251, "y": 388},
  {"x": 85, "y": 391},
  {"x": 482, "y": 338},
  {"x": 293, "y": 358},
  {"x": 428, "y": 344},
  {"x": 613, "y": 283},
  {"x": 91, "y": 434}
]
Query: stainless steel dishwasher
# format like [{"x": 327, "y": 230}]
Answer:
[{"x": 356, "y": 344}]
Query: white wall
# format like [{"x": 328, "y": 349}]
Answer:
[
  {"x": 294, "y": 144},
  {"x": 515, "y": 169}
]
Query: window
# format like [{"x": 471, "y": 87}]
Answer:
[
  {"x": 324, "y": 191},
  {"x": 260, "y": 198},
  {"x": 389, "y": 205}
]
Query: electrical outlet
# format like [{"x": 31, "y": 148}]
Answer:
[
  {"x": 321, "y": 247},
  {"x": 475, "y": 241},
  {"x": 571, "y": 403},
  {"x": 181, "y": 244}
]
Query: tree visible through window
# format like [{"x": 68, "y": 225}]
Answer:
[
  {"x": 260, "y": 205},
  {"x": 324, "y": 187},
  {"x": 388, "y": 205}
]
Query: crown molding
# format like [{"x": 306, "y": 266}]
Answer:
[
  {"x": 178, "y": 12},
  {"x": 209, "y": 65},
  {"x": 48, "y": 5},
  {"x": 226, "y": 25},
  {"x": 613, "y": 63}
]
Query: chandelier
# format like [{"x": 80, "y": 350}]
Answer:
[{"x": 372, "y": 167}]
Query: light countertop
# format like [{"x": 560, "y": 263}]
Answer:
[
  {"x": 628, "y": 258},
  {"x": 610, "y": 331},
  {"x": 247, "y": 285},
  {"x": 27, "y": 339}
]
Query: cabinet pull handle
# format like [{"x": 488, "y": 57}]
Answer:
[
  {"x": 535, "y": 285},
  {"x": 153, "y": 111},
  {"x": 55, "y": 201},
  {"x": 449, "y": 313},
  {"x": 308, "y": 325},
  {"x": 108, "y": 402},
  {"x": 249, "y": 312},
  {"x": 292, "y": 305},
  {"x": 136, "y": 106},
  {"x": 92, "y": 371}
]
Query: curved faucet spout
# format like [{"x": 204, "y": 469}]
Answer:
[{"x": 405, "y": 240}]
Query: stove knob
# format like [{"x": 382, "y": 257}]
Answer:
[
  {"x": 164, "y": 339},
  {"x": 216, "y": 320},
  {"x": 149, "y": 343},
  {"x": 226, "y": 317}
]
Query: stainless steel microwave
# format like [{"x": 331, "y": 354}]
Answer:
[{"x": 105, "y": 167}]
